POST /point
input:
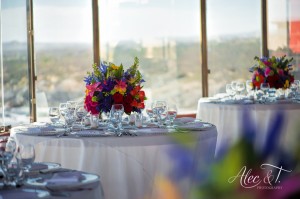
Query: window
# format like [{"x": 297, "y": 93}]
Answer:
[
  {"x": 234, "y": 38},
  {"x": 63, "y": 48},
  {"x": 284, "y": 30},
  {"x": 165, "y": 36},
  {"x": 14, "y": 63}
]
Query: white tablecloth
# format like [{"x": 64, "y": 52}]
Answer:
[
  {"x": 228, "y": 119},
  {"x": 128, "y": 166},
  {"x": 91, "y": 190}
]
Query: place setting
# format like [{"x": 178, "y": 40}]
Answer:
[{"x": 18, "y": 171}]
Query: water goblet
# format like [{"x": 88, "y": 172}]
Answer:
[
  {"x": 149, "y": 111},
  {"x": 233, "y": 87},
  {"x": 161, "y": 111},
  {"x": 172, "y": 113},
  {"x": 27, "y": 155},
  {"x": 138, "y": 120},
  {"x": 54, "y": 114},
  {"x": 265, "y": 87},
  {"x": 230, "y": 91},
  {"x": 116, "y": 114},
  {"x": 80, "y": 113},
  {"x": 240, "y": 86}
]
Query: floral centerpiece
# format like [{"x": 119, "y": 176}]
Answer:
[
  {"x": 272, "y": 70},
  {"x": 109, "y": 84}
]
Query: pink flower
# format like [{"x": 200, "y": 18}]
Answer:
[
  {"x": 280, "y": 72},
  {"x": 90, "y": 105},
  {"x": 268, "y": 72},
  {"x": 92, "y": 88},
  {"x": 120, "y": 87}
]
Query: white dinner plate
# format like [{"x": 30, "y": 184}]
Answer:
[
  {"x": 70, "y": 180},
  {"x": 92, "y": 133}
]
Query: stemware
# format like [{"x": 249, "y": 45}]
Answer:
[
  {"x": 149, "y": 111},
  {"x": 230, "y": 91},
  {"x": 240, "y": 86},
  {"x": 67, "y": 112},
  {"x": 116, "y": 114},
  {"x": 54, "y": 114},
  {"x": 265, "y": 87},
  {"x": 26, "y": 155},
  {"x": 233, "y": 87},
  {"x": 160, "y": 109},
  {"x": 80, "y": 113},
  {"x": 172, "y": 113}
]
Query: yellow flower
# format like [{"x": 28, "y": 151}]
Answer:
[
  {"x": 286, "y": 84},
  {"x": 132, "y": 80},
  {"x": 114, "y": 67}
]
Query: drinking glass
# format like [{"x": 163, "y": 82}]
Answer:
[
  {"x": 160, "y": 109},
  {"x": 293, "y": 88},
  {"x": 67, "y": 112},
  {"x": 94, "y": 119},
  {"x": 26, "y": 155},
  {"x": 240, "y": 86},
  {"x": 233, "y": 87},
  {"x": 80, "y": 113},
  {"x": 149, "y": 111},
  {"x": 138, "y": 120},
  {"x": 265, "y": 87},
  {"x": 229, "y": 91},
  {"x": 54, "y": 115},
  {"x": 116, "y": 114},
  {"x": 172, "y": 113}
]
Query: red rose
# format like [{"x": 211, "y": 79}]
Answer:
[
  {"x": 127, "y": 108},
  {"x": 128, "y": 99},
  {"x": 273, "y": 80},
  {"x": 118, "y": 98},
  {"x": 142, "y": 95}
]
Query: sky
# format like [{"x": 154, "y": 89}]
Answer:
[{"x": 71, "y": 21}]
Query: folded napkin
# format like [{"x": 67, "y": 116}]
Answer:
[
  {"x": 193, "y": 126},
  {"x": 62, "y": 178},
  {"x": 184, "y": 120},
  {"x": 36, "y": 166},
  {"x": 93, "y": 133},
  {"x": 151, "y": 131}
]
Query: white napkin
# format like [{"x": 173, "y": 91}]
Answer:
[
  {"x": 192, "y": 126},
  {"x": 184, "y": 120},
  {"x": 151, "y": 131},
  {"x": 64, "y": 178}
]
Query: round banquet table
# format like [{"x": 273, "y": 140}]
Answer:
[
  {"x": 129, "y": 167},
  {"x": 231, "y": 122}
]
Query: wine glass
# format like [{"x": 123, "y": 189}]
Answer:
[
  {"x": 116, "y": 114},
  {"x": 172, "y": 113},
  {"x": 80, "y": 113},
  {"x": 26, "y": 155},
  {"x": 265, "y": 87},
  {"x": 54, "y": 114},
  {"x": 229, "y": 91},
  {"x": 160, "y": 109},
  {"x": 233, "y": 87},
  {"x": 240, "y": 86},
  {"x": 68, "y": 114},
  {"x": 149, "y": 111}
]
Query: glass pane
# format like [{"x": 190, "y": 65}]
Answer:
[
  {"x": 165, "y": 36},
  {"x": 63, "y": 48},
  {"x": 284, "y": 30},
  {"x": 15, "y": 63},
  {"x": 233, "y": 29}
]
